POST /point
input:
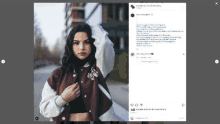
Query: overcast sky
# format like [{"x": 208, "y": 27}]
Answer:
[{"x": 51, "y": 19}]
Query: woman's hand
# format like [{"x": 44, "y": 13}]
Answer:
[{"x": 71, "y": 92}]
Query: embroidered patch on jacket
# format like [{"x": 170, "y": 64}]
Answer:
[{"x": 93, "y": 74}]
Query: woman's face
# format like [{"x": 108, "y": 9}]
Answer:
[{"x": 81, "y": 45}]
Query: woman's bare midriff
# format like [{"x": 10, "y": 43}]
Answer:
[{"x": 79, "y": 117}]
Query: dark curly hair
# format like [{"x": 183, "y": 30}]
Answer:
[{"x": 69, "y": 61}]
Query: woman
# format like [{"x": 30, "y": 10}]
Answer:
[{"x": 77, "y": 90}]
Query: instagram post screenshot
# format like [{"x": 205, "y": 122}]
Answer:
[{"x": 110, "y": 62}]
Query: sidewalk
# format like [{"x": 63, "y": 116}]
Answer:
[{"x": 119, "y": 93}]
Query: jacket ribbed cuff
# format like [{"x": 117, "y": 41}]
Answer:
[{"x": 60, "y": 102}]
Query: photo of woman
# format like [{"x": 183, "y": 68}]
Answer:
[{"x": 77, "y": 90}]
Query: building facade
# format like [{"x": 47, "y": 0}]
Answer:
[
  {"x": 115, "y": 21},
  {"x": 74, "y": 13}
]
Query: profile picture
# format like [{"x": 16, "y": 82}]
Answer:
[
  {"x": 133, "y": 109},
  {"x": 132, "y": 54},
  {"x": 132, "y": 15},
  {"x": 132, "y": 6}
]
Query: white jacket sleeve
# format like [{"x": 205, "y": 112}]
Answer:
[
  {"x": 105, "y": 53},
  {"x": 51, "y": 105}
]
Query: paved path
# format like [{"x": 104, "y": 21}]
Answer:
[
  {"x": 39, "y": 80},
  {"x": 119, "y": 93}
]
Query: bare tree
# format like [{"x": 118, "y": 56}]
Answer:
[
  {"x": 57, "y": 47},
  {"x": 42, "y": 54},
  {"x": 38, "y": 32}
]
